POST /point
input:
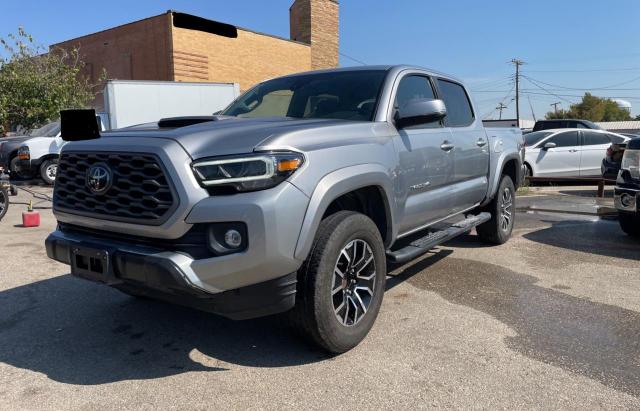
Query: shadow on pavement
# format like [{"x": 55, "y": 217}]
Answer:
[
  {"x": 586, "y": 193},
  {"x": 77, "y": 332},
  {"x": 596, "y": 340},
  {"x": 597, "y": 237}
]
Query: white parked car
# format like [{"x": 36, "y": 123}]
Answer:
[
  {"x": 39, "y": 155},
  {"x": 567, "y": 152}
]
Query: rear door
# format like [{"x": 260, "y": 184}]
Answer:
[
  {"x": 425, "y": 168},
  {"x": 562, "y": 160},
  {"x": 593, "y": 151},
  {"x": 469, "y": 182}
]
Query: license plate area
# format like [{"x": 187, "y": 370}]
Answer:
[{"x": 93, "y": 264}]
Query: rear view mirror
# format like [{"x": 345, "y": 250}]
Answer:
[
  {"x": 420, "y": 111},
  {"x": 549, "y": 145},
  {"x": 78, "y": 125}
]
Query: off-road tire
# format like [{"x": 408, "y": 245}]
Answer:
[
  {"x": 630, "y": 223},
  {"x": 44, "y": 172},
  {"x": 494, "y": 231},
  {"x": 314, "y": 315}
]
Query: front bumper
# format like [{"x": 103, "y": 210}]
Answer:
[
  {"x": 167, "y": 276},
  {"x": 26, "y": 166},
  {"x": 627, "y": 199}
]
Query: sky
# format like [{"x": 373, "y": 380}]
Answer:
[{"x": 568, "y": 46}]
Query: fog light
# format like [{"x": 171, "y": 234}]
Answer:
[
  {"x": 233, "y": 238},
  {"x": 228, "y": 238},
  {"x": 626, "y": 200}
]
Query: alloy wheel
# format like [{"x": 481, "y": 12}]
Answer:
[
  {"x": 506, "y": 209},
  {"x": 353, "y": 282}
]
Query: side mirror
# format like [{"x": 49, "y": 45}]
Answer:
[
  {"x": 549, "y": 145},
  {"x": 420, "y": 111}
]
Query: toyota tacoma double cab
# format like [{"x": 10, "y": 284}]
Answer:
[{"x": 293, "y": 199}]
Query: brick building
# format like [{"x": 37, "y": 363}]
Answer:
[{"x": 176, "y": 46}]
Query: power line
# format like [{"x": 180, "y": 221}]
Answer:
[
  {"x": 352, "y": 58},
  {"x": 501, "y": 102},
  {"x": 584, "y": 71},
  {"x": 577, "y": 95},
  {"x": 610, "y": 87},
  {"x": 544, "y": 89}
]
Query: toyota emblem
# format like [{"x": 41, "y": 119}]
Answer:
[{"x": 99, "y": 178}]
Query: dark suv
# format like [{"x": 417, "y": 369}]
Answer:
[
  {"x": 565, "y": 123},
  {"x": 627, "y": 191}
]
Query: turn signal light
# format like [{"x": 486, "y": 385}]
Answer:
[{"x": 289, "y": 165}]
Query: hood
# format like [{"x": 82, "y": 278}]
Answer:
[
  {"x": 227, "y": 136},
  {"x": 12, "y": 143}
]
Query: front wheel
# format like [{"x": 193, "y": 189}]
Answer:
[
  {"x": 341, "y": 285},
  {"x": 13, "y": 167},
  {"x": 502, "y": 208},
  {"x": 630, "y": 223},
  {"x": 48, "y": 171}
]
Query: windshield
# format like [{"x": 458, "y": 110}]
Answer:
[
  {"x": 531, "y": 139},
  {"x": 48, "y": 130},
  {"x": 348, "y": 95}
]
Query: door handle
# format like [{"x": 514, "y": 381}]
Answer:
[
  {"x": 446, "y": 146},
  {"x": 573, "y": 150},
  {"x": 481, "y": 142}
]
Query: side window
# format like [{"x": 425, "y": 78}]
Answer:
[
  {"x": 580, "y": 125},
  {"x": 459, "y": 111},
  {"x": 615, "y": 138},
  {"x": 567, "y": 139},
  {"x": 413, "y": 87},
  {"x": 591, "y": 138}
]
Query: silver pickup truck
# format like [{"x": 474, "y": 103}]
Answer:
[{"x": 295, "y": 198}]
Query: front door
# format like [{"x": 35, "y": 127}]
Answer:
[
  {"x": 425, "y": 161},
  {"x": 563, "y": 160}
]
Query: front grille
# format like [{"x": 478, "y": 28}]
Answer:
[{"x": 140, "y": 190}]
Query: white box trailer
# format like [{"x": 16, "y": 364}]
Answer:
[{"x": 131, "y": 102}]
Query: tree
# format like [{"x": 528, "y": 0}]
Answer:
[
  {"x": 593, "y": 108},
  {"x": 35, "y": 84}
]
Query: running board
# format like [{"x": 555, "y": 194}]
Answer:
[{"x": 434, "y": 238}]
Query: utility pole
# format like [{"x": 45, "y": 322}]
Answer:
[
  {"x": 533, "y": 114},
  {"x": 517, "y": 63},
  {"x": 555, "y": 107},
  {"x": 501, "y": 107}
]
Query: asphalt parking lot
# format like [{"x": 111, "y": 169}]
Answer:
[{"x": 549, "y": 320}]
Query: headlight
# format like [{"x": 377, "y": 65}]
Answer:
[
  {"x": 247, "y": 173},
  {"x": 23, "y": 153},
  {"x": 631, "y": 162}
]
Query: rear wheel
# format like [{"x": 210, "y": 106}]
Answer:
[
  {"x": 502, "y": 208},
  {"x": 630, "y": 223},
  {"x": 341, "y": 285},
  {"x": 48, "y": 170}
]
